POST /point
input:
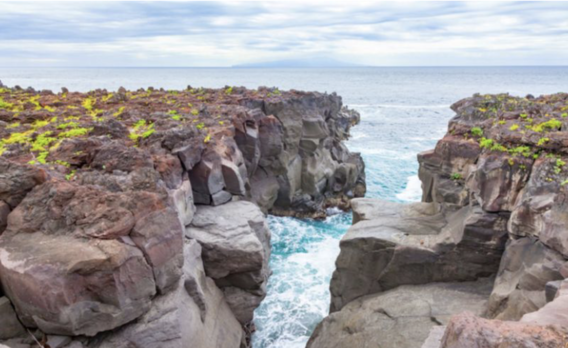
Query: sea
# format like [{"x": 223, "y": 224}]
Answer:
[{"x": 404, "y": 111}]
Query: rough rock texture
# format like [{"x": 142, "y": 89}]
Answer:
[
  {"x": 468, "y": 331},
  {"x": 194, "y": 314},
  {"x": 97, "y": 189},
  {"x": 400, "y": 318},
  {"x": 414, "y": 244},
  {"x": 236, "y": 249},
  {"x": 10, "y": 326},
  {"x": 497, "y": 182}
]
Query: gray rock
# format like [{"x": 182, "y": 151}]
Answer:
[
  {"x": 414, "y": 244},
  {"x": 182, "y": 201},
  {"x": 10, "y": 326},
  {"x": 4, "y": 211},
  {"x": 526, "y": 267},
  {"x": 236, "y": 249},
  {"x": 434, "y": 339},
  {"x": 401, "y": 318},
  {"x": 193, "y": 314}
]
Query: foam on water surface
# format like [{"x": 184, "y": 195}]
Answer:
[{"x": 403, "y": 112}]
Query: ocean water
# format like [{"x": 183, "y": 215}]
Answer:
[{"x": 404, "y": 111}]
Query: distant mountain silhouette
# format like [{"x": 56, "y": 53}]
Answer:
[{"x": 299, "y": 63}]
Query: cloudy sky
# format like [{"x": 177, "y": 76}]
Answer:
[{"x": 224, "y": 34}]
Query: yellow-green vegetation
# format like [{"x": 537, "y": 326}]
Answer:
[
  {"x": 456, "y": 176},
  {"x": 119, "y": 112},
  {"x": 477, "y": 132},
  {"x": 543, "y": 141},
  {"x": 514, "y": 127},
  {"x": 491, "y": 145},
  {"x": 200, "y": 125},
  {"x": 229, "y": 90},
  {"x": 559, "y": 165},
  {"x": 74, "y": 132},
  {"x": 141, "y": 130},
  {"x": 551, "y": 125}
]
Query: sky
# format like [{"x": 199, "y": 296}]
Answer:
[{"x": 225, "y": 34}]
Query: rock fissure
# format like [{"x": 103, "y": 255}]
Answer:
[
  {"x": 136, "y": 218},
  {"x": 493, "y": 205}
]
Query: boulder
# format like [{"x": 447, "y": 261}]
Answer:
[
  {"x": 4, "y": 211},
  {"x": 16, "y": 180},
  {"x": 401, "y": 318},
  {"x": 468, "y": 331},
  {"x": 10, "y": 326},
  {"x": 414, "y": 244},
  {"x": 193, "y": 314},
  {"x": 70, "y": 286},
  {"x": 526, "y": 267},
  {"x": 236, "y": 248}
]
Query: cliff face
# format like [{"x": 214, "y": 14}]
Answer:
[
  {"x": 494, "y": 205},
  {"x": 136, "y": 218}
]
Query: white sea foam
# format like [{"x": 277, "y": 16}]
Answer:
[
  {"x": 299, "y": 287},
  {"x": 413, "y": 190}
]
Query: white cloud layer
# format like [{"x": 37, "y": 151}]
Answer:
[{"x": 231, "y": 33}]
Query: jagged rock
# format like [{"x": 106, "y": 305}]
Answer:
[
  {"x": 105, "y": 283},
  {"x": 159, "y": 236},
  {"x": 498, "y": 183},
  {"x": 541, "y": 211},
  {"x": 554, "y": 312},
  {"x": 452, "y": 156},
  {"x": 10, "y": 326},
  {"x": 414, "y": 244},
  {"x": 16, "y": 180},
  {"x": 4, "y": 211},
  {"x": 193, "y": 314},
  {"x": 76, "y": 240},
  {"x": 467, "y": 331},
  {"x": 400, "y": 318},
  {"x": 182, "y": 200},
  {"x": 526, "y": 267},
  {"x": 236, "y": 248}
]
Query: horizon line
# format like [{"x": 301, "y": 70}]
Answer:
[{"x": 285, "y": 67}]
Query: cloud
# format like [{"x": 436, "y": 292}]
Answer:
[{"x": 230, "y": 33}]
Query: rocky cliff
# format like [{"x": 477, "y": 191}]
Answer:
[
  {"x": 494, "y": 212},
  {"x": 136, "y": 218}
]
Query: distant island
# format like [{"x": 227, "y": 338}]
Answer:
[{"x": 313, "y": 62}]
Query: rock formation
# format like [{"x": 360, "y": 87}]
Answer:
[
  {"x": 136, "y": 218},
  {"x": 494, "y": 205}
]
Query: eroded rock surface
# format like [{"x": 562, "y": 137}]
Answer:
[
  {"x": 402, "y": 317},
  {"x": 135, "y": 218},
  {"x": 494, "y": 203}
]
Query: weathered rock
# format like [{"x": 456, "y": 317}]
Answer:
[
  {"x": 10, "y": 326},
  {"x": 526, "y": 267},
  {"x": 159, "y": 235},
  {"x": 400, "y": 318},
  {"x": 76, "y": 240},
  {"x": 236, "y": 248},
  {"x": 17, "y": 180},
  {"x": 193, "y": 314},
  {"x": 467, "y": 331},
  {"x": 414, "y": 244},
  {"x": 4, "y": 211},
  {"x": 71, "y": 286},
  {"x": 554, "y": 312}
]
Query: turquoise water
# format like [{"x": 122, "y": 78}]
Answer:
[{"x": 404, "y": 111}]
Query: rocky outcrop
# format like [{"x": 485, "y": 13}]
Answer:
[
  {"x": 236, "y": 248},
  {"x": 494, "y": 204},
  {"x": 394, "y": 244},
  {"x": 402, "y": 317},
  {"x": 135, "y": 218}
]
